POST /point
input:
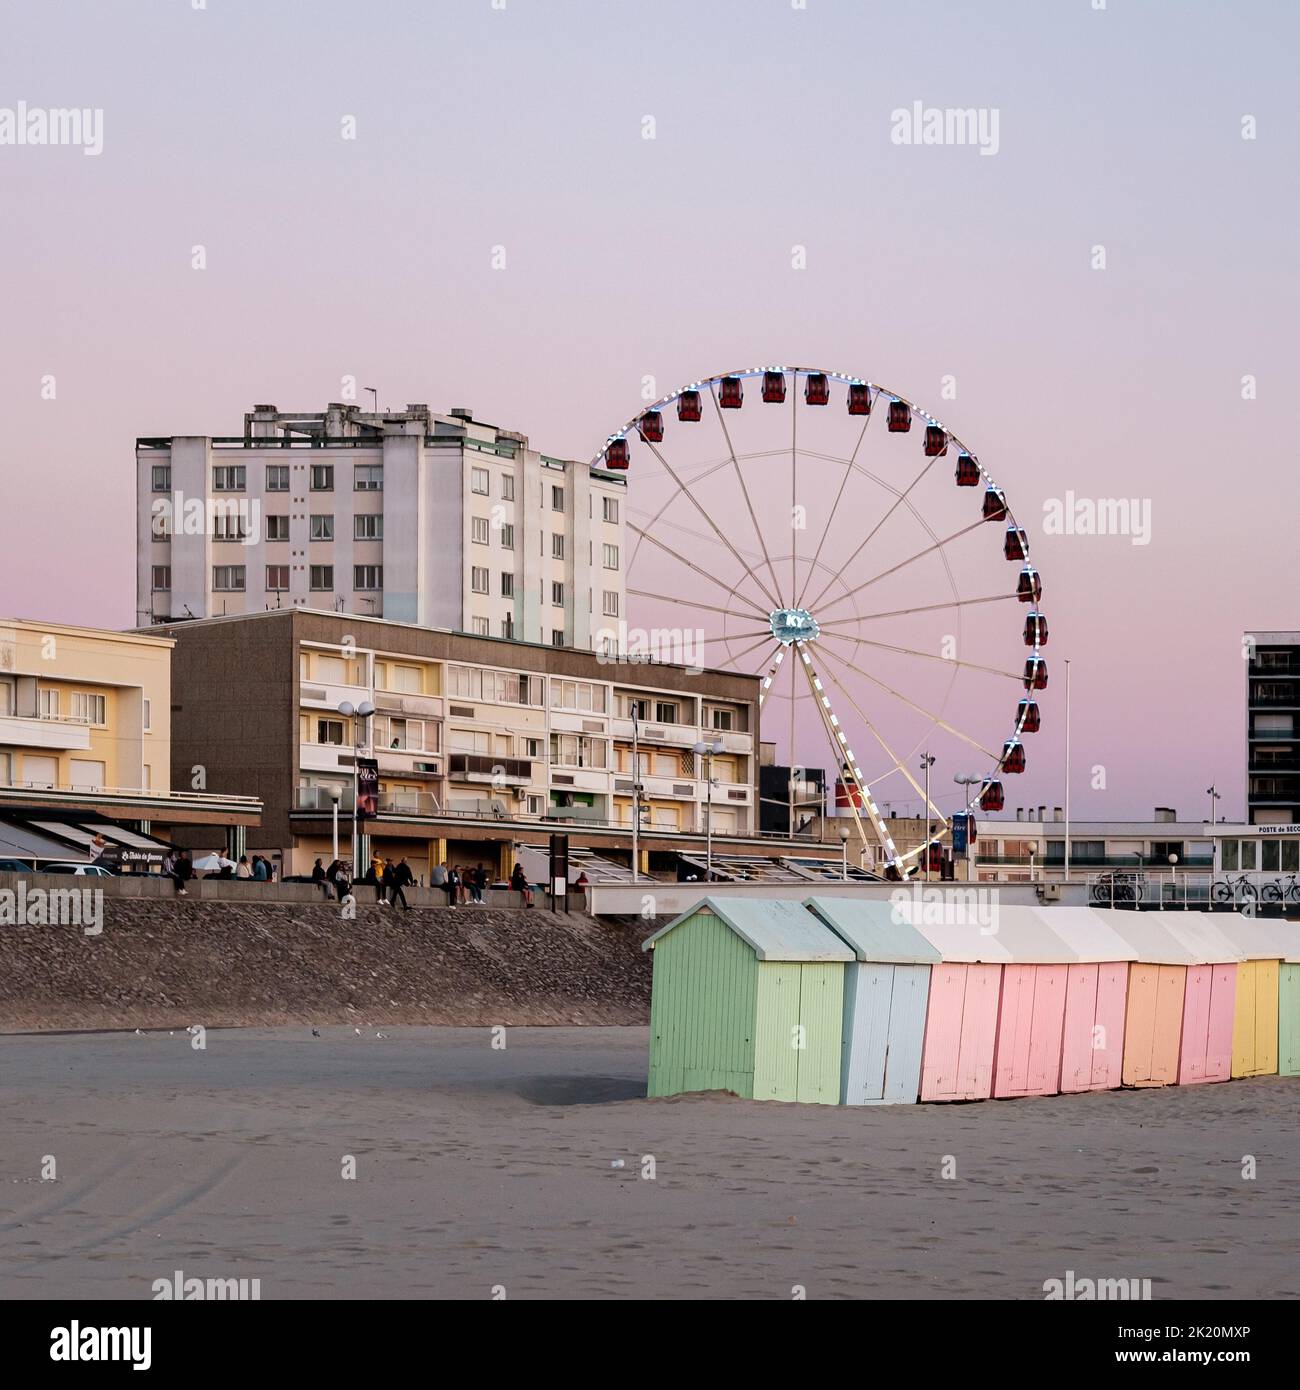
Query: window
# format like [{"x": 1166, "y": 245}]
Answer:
[
  {"x": 638, "y": 709},
  {"x": 160, "y": 526},
  {"x": 147, "y": 705},
  {"x": 329, "y": 731},
  {"x": 557, "y": 593},
  {"x": 507, "y": 487},
  {"x": 277, "y": 528},
  {"x": 532, "y": 748},
  {"x": 479, "y": 627},
  {"x": 557, "y": 499},
  {"x": 277, "y": 579},
  {"x": 501, "y": 687},
  {"x": 322, "y": 477},
  {"x": 611, "y": 557},
  {"x": 1275, "y": 724},
  {"x": 580, "y": 695},
  {"x": 368, "y": 477},
  {"x": 478, "y": 579},
  {"x": 666, "y": 712},
  {"x": 480, "y": 481},
  {"x": 229, "y": 528},
  {"x": 322, "y": 528},
  {"x": 609, "y": 599},
  {"x": 557, "y": 547},
  {"x": 277, "y": 477},
  {"x": 367, "y": 578},
  {"x": 322, "y": 577},
  {"x": 88, "y": 709},
  {"x": 479, "y": 530},
  {"x": 406, "y": 679},
  {"x": 1230, "y": 854},
  {"x": 578, "y": 750},
  {"x": 507, "y": 536},
  {"x": 557, "y": 637},
  {"x": 470, "y": 741},
  {"x": 162, "y": 578},
  {"x": 228, "y": 579},
  {"x": 228, "y": 478},
  {"x": 609, "y": 509},
  {"x": 47, "y": 703},
  {"x": 161, "y": 477},
  {"x": 723, "y": 719},
  {"x": 368, "y": 528},
  {"x": 507, "y": 584}
]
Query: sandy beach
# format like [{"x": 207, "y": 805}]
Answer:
[{"x": 479, "y": 1168}]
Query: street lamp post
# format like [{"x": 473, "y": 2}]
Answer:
[
  {"x": 363, "y": 711},
  {"x": 927, "y": 761},
  {"x": 636, "y": 796},
  {"x": 844, "y": 854},
  {"x": 1173, "y": 879},
  {"x": 334, "y": 797},
  {"x": 1214, "y": 796},
  {"x": 708, "y": 750}
]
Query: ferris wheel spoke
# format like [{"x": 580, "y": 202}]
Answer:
[
  {"x": 928, "y": 656},
  {"x": 902, "y": 564},
  {"x": 749, "y": 506},
  {"x": 764, "y": 641},
  {"x": 924, "y": 608},
  {"x": 690, "y": 564},
  {"x": 817, "y": 554},
  {"x": 911, "y": 704},
  {"x": 698, "y": 472},
  {"x": 898, "y": 502},
  {"x": 846, "y": 763},
  {"x": 899, "y": 764},
  {"x": 695, "y": 603},
  {"x": 794, "y": 487},
  {"x": 695, "y": 502}
]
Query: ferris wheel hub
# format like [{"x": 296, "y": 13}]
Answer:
[{"x": 790, "y": 625}]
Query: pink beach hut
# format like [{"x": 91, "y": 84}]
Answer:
[
  {"x": 1209, "y": 999},
  {"x": 1096, "y": 993},
  {"x": 1157, "y": 988}
]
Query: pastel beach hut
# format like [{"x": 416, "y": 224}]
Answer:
[
  {"x": 1288, "y": 999},
  {"x": 747, "y": 996},
  {"x": 1157, "y": 988},
  {"x": 1096, "y": 994},
  {"x": 1256, "y": 1024},
  {"x": 886, "y": 990},
  {"x": 961, "y": 1020},
  {"x": 1209, "y": 1000}
]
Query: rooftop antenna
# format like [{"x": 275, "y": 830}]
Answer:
[{"x": 374, "y": 402}]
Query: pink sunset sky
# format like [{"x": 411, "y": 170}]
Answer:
[{"x": 523, "y": 127}]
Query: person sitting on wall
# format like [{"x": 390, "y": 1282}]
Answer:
[
  {"x": 453, "y": 887},
  {"x": 241, "y": 869},
  {"x": 519, "y": 883}
]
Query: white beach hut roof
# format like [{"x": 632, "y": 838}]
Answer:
[
  {"x": 1255, "y": 939},
  {"x": 1151, "y": 939},
  {"x": 992, "y": 934},
  {"x": 1088, "y": 933},
  {"x": 873, "y": 930}
]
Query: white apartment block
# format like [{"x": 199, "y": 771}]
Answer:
[{"x": 439, "y": 520}]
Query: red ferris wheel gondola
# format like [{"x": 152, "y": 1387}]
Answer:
[
  {"x": 651, "y": 427},
  {"x": 967, "y": 471},
  {"x": 1016, "y": 545},
  {"x": 774, "y": 387},
  {"x": 817, "y": 389},
  {"x": 1035, "y": 677},
  {"x": 1035, "y": 630},
  {"x": 1029, "y": 587},
  {"x": 995, "y": 504},
  {"x": 859, "y": 398},
  {"x": 900, "y": 417},
  {"x": 1028, "y": 719},
  {"x": 730, "y": 393},
  {"x": 1013, "y": 756},
  {"x": 992, "y": 797},
  {"x": 688, "y": 407},
  {"x": 616, "y": 454},
  {"x": 936, "y": 442}
]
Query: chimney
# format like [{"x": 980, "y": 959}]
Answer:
[
  {"x": 1166, "y": 815},
  {"x": 1057, "y": 814},
  {"x": 1042, "y": 813},
  {"x": 462, "y": 412},
  {"x": 1020, "y": 813}
]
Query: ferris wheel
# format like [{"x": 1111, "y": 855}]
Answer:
[{"x": 789, "y": 518}]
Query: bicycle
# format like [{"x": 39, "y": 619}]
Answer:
[
  {"x": 1118, "y": 888},
  {"x": 1274, "y": 892},
  {"x": 1228, "y": 890}
]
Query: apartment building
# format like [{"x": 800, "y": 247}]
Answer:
[
  {"x": 482, "y": 744},
  {"x": 440, "y": 520},
  {"x": 1272, "y": 740},
  {"x": 85, "y": 746}
]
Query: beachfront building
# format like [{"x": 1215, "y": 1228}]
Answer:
[
  {"x": 483, "y": 745},
  {"x": 1272, "y": 739},
  {"x": 441, "y": 520},
  {"x": 85, "y": 747}
]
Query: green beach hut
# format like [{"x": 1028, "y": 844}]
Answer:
[{"x": 748, "y": 996}]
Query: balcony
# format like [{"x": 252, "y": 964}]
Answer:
[
  {"x": 483, "y": 767},
  {"x": 42, "y": 731}
]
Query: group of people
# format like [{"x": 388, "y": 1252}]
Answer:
[
  {"x": 178, "y": 865},
  {"x": 389, "y": 880},
  {"x": 461, "y": 885}
]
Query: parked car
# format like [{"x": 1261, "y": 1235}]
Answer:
[
  {"x": 14, "y": 866},
  {"x": 81, "y": 870}
]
